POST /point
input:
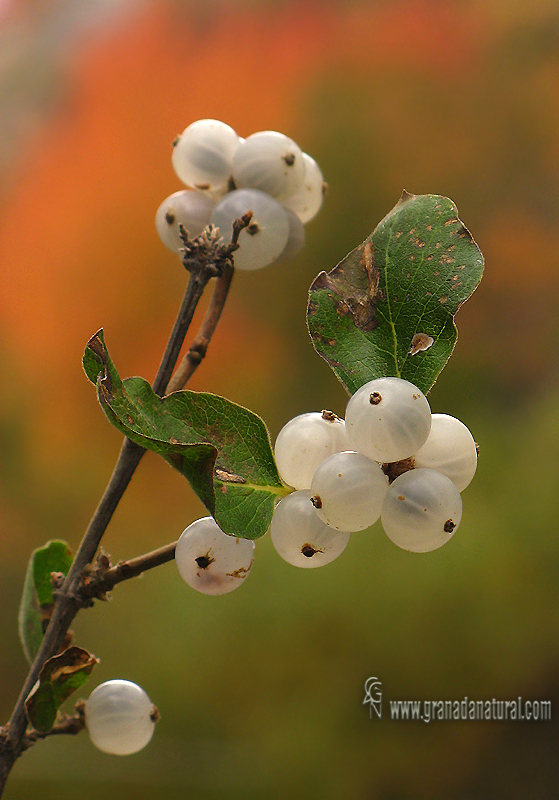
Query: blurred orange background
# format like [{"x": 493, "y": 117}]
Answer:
[{"x": 261, "y": 693}]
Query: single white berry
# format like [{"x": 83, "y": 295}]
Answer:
[
  {"x": 211, "y": 561},
  {"x": 264, "y": 240},
  {"x": 421, "y": 510},
  {"x": 388, "y": 419},
  {"x": 300, "y": 537},
  {"x": 120, "y": 717},
  {"x": 307, "y": 199},
  {"x": 450, "y": 448},
  {"x": 303, "y": 444},
  {"x": 271, "y": 162},
  {"x": 348, "y": 491},
  {"x": 203, "y": 155},
  {"x": 188, "y": 208}
]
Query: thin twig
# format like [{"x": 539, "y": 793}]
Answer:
[
  {"x": 103, "y": 579},
  {"x": 65, "y": 724},
  {"x": 197, "y": 282},
  {"x": 197, "y": 351},
  {"x": 199, "y": 347}
]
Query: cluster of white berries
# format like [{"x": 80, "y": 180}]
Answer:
[
  {"x": 266, "y": 173},
  {"x": 391, "y": 459}
]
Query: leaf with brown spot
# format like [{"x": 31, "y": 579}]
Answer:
[
  {"x": 400, "y": 283},
  {"x": 60, "y": 677}
]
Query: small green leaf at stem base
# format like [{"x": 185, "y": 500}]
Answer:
[
  {"x": 60, "y": 677},
  {"x": 387, "y": 309},
  {"x": 37, "y": 598},
  {"x": 222, "y": 449}
]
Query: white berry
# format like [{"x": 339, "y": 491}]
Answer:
[
  {"x": 300, "y": 537},
  {"x": 264, "y": 240},
  {"x": 271, "y": 162},
  {"x": 203, "y": 155},
  {"x": 209, "y": 560},
  {"x": 188, "y": 208},
  {"x": 450, "y": 448},
  {"x": 120, "y": 717},
  {"x": 307, "y": 199},
  {"x": 303, "y": 444},
  {"x": 421, "y": 510},
  {"x": 388, "y": 419},
  {"x": 348, "y": 491}
]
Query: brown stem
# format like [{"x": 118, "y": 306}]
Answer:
[
  {"x": 65, "y": 724},
  {"x": 198, "y": 349},
  {"x": 103, "y": 580},
  {"x": 197, "y": 282}
]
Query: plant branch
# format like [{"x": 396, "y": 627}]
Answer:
[
  {"x": 197, "y": 282},
  {"x": 69, "y": 724},
  {"x": 199, "y": 347},
  {"x": 204, "y": 257},
  {"x": 103, "y": 577}
]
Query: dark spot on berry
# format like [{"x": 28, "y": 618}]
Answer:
[
  {"x": 253, "y": 228},
  {"x": 477, "y": 449},
  {"x": 324, "y": 188},
  {"x": 202, "y": 186},
  {"x": 176, "y": 140},
  {"x": 375, "y": 398},
  {"x": 231, "y": 185},
  {"x": 308, "y": 550},
  {"x": 289, "y": 159},
  {"x": 401, "y": 497},
  {"x": 204, "y": 561},
  {"x": 329, "y": 416},
  {"x": 316, "y": 501},
  {"x": 169, "y": 217},
  {"x": 449, "y": 526}
]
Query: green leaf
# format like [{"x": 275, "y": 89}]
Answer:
[
  {"x": 61, "y": 675},
  {"x": 388, "y": 308},
  {"x": 37, "y": 598},
  {"x": 222, "y": 448}
]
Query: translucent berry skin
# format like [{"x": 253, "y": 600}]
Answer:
[
  {"x": 388, "y": 419},
  {"x": 118, "y": 717},
  {"x": 450, "y": 448},
  {"x": 266, "y": 237},
  {"x": 271, "y": 162},
  {"x": 348, "y": 491},
  {"x": 303, "y": 444},
  {"x": 306, "y": 201},
  {"x": 203, "y": 155},
  {"x": 421, "y": 510},
  {"x": 188, "y": 208},
  {"x": 210, "y": 561},
  {"x": 295, "y": 237},
  {"x": 300, "y": 537}
]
